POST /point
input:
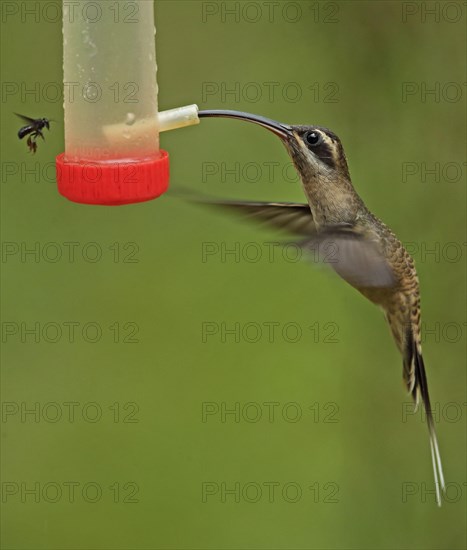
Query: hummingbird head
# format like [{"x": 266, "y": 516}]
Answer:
[
  {"x": 316, "y": 152},
  {"x": 319, "y": 158}
]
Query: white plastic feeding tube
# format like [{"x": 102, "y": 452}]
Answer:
[
  {"x": 165, "y": 120},
  {"x": 110, "y": 65}
]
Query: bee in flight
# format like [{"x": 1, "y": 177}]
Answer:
[{"x": 33, "y": 130}]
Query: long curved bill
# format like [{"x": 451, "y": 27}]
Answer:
[{"x": 282, "y": 130}]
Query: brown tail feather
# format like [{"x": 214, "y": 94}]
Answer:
[{"x": 415, "y": 377}]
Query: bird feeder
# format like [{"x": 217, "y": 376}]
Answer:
[{"x": 112, "y": 123}]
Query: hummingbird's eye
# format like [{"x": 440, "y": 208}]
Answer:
[{"x": 313, "y": 138}]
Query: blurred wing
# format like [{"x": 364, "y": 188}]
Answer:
[
  {"x": 26, "y": 118},
  {"x": 294, "y": 218},
  {"x": 353, "y": 256}
]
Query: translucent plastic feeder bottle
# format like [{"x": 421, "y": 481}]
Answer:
[{"x": 112, "y": 124}]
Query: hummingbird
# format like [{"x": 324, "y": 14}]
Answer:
[{"x": 366, "y": 253}]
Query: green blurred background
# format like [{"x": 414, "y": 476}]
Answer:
[{"x": 359, "y": 457}]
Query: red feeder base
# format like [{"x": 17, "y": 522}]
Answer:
[{"x": 113, "y": 183}]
